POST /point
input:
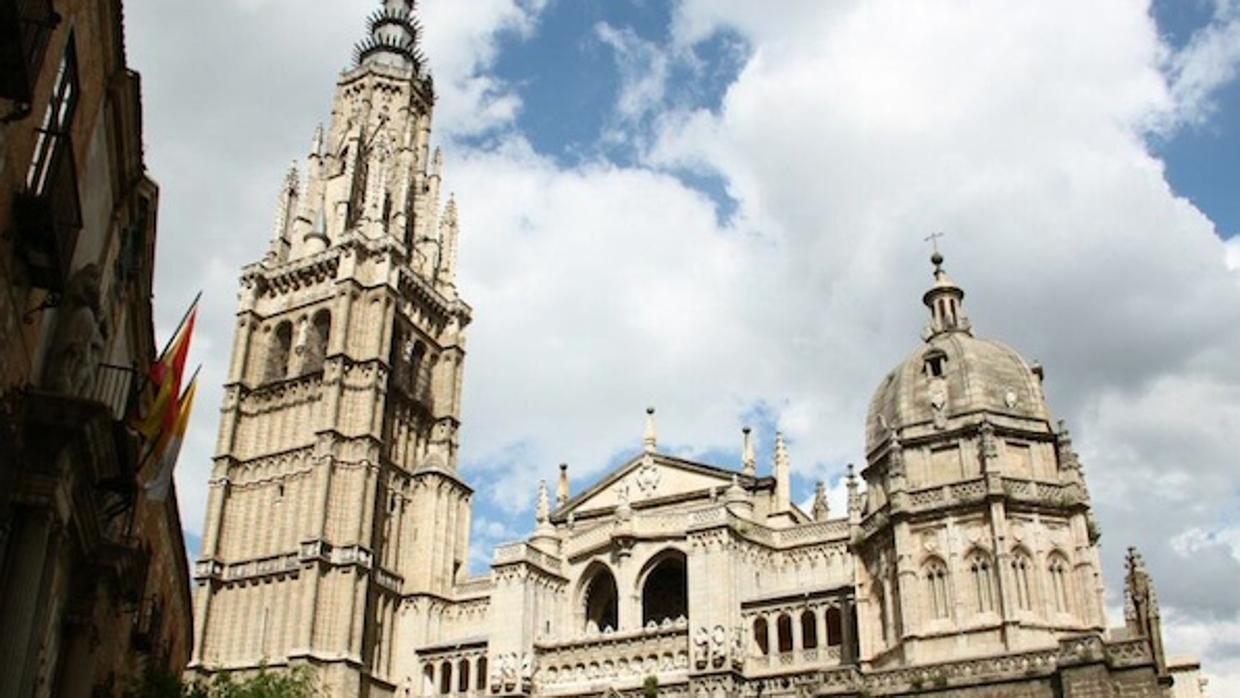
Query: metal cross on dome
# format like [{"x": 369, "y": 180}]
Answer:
[{"x": 933, "y": 239}]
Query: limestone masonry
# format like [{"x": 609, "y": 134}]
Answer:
[{"x": 337, "y": 531}]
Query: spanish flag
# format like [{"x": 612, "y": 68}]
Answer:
[
  {"x": 169, "y": 445},
  {"x": 165, "y": 380}
]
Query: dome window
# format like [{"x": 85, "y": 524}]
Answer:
[{"x": 936, "y": 363}]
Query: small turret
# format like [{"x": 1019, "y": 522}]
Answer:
[
  {"x": 561, "y": 495},
  {"x": 945, "y": 300}
]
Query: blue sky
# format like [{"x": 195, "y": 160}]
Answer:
[{"x": 718, "y": 209}]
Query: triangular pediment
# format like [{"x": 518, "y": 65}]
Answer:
[{"x": 649, "y": 478}]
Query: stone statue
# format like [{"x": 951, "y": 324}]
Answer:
[{"x": 78, "y": 341}]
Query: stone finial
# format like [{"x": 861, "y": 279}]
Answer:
[
  {"x": 561, "y": 494},
  {"x": 437, "y": 163},
  {"x": 749, "y": 459},
  {"x": 1068, "y": 458},
  {"x": 854, "y": 495},
  {"x": 1141, "y": 614},
  {"x": 822, "y": 509},
  {"x": 543, "y": 512},
  {"x": 316, "y": 142},
  {"x": 650, "y": 440},
  {"x": 783, "y": 475}
]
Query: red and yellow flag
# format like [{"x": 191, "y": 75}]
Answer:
[
  {"x": 169, "y": 445},
  {"x": 165, "y": 379}
]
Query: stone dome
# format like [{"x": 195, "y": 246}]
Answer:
[{"x": 953, "y": 373}]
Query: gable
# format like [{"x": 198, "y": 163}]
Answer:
[{"x": 648, "y": 477}]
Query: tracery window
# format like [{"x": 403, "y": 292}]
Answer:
[
  {"x": 1020, "y": 579},
  {"x": 983, "y": 582},
  {"x": 936, "y": 587},
  {"x": 1058, "y": 568}
]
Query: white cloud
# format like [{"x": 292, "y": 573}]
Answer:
[
  {"x": 852, "y": 131},
  {"x": 1209, "y": 61}
]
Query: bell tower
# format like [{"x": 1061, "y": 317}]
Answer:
[{"x": 335, "y": 493}]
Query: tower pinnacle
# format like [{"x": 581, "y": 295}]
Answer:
[
  {"x": 393, "y": 40},
  {"x": 945, "y": 300}
]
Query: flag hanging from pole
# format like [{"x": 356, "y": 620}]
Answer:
[
  {"x": 165, "y": 379},
  {"x": 169, "y": 445}
]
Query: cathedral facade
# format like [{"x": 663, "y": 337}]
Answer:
[{"x": 337, "y": 534}]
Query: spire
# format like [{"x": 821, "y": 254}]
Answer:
[
  {"x": 650, "y": 440},
  {"x": 749, "y": 460},
  {"x": 1141, "y": 613},
  {"x": 945, "y": 300},
  {"x": 783, "y": 475},
  {"x": 393, "y": 39},
  {"x": 449, "y": 229},
  {"x": 821, "y": 510}
]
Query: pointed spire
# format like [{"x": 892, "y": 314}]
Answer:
[
  {"x": 449, "y": 231},
  {"x": 783, "y": 475},
  {"x": 393, "y": 38},
  {"x": 650, "y": 440},
  {"x": 561, "y": 495},
  {"x": 749, "y": 459},
  {"x": 1068, "y": 458},
  {"x": 1141, "y": 614},
  {"x": 945, "y": 300},
  {"x": 821, "y": 510}
]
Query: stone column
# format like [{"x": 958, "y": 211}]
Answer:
[{"x": 820, "y": 626}]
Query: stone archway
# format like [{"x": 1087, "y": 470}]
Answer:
[
  {"x": 600, "y": 600},
  {"x": 665, "y": 588}
]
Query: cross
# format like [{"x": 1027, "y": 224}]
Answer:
[{"x": 933, "y": 239}]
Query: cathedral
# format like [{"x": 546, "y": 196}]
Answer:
[{"x": 966, "y": 562}]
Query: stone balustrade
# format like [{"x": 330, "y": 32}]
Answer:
[{"x": 615, "y": 659}]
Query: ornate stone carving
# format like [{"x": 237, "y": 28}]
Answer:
[{"x": 78, "y": 342}]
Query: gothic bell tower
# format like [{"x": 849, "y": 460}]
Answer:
[{"x": 334, "y": 493}]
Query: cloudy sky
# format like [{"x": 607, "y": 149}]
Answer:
[{"x": 718, "y": 208}]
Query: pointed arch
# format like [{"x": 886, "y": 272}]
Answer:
[
  {"x": 981, "y": 580},
  {"x": 599, "y": 599},
  {"x": 935, "y": 574},
  {"x": 278, "y": 351},
  {"x": 835, "y": 627},
  {"x": 664, "y": 585},
  {"x": 809, "y": 630},
  {"x": 760, "y": 632},
  {"x": 1022, "y": 565},
  {"x": 1060, "y": 572}
]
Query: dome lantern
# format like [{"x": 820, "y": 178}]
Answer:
[{"x": 946, "y": 303}]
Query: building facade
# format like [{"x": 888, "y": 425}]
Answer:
[
  {"x": 337, "y": 532},
  {"x": 94, "y": 584}
]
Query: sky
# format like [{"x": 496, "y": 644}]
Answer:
[{"x": 718, "y": 208}]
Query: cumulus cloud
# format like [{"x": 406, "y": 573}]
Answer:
[{"x": 850, "y": 132}]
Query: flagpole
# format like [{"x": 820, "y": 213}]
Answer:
[{"x": 192, "y": 305}]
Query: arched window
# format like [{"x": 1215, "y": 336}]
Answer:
[
  {"x": 1020, "y": 580},
  {"x": 317, "y": 337},
  {"x": 480, "y": 675},
  {"x": 809, "y": 630},
  {"x": 880, "y": 603},
  {"x": 278, "y": 352},
  {"x": 601, "y": 601},
  {"x": 783, "y": 627},
  {"x": 835, "y": 627},
  {"x": 1058, "y": 568},
  {"x": 983, "y": 582},
  {"x": 428, "y": 679},
  {"x": 462, "y": 676},
  {"x": 445, "y": 677},
  {"x": 760, "y": 631},
  {"x": 935, "y": 573},
  {"x": 417, "y": 364},
  {"x": 665, "y": 591}
]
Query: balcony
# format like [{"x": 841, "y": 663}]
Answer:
[
  {"x": 48, "y": 223},
  {"x": 25, "y": 27},
  {"x": 615, "y": 660}
]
